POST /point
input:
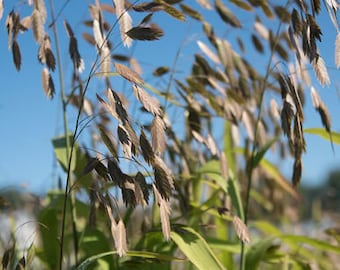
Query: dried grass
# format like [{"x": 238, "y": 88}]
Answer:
[
  {"x": 128, "y": 73},
  {"x": 321, "y": 71},
  {"x": 47, "y": 83},
  {"x": 337, "y": 51},
  {"x": 164, "y": 212},
  {"x": 241, "y": 230},
  {"x": 150, "y": 103},
  {"x": 158, "y": 135},
  {"x": 125, "y": 21}
]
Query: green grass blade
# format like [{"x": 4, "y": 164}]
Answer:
[
  {"x": 316, "y": 243},
  {"x": 275, "y": 173},
  {"x": 256, "y": 252},
  {"x": 260, "y": 154},
  {"x": 60, "y": 150},
  {"x": 141, "y": 254},
  {"x": 197, "y": 250},
  {"x": 324, "y": 134},
  {"x": 235, "y": 195}
]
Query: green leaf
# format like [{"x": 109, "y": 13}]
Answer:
[
  {"x": 321, "y": 132},
  {"x": 316, "y": 243},
  {"x": 228, "y": 146},
  {"x": 30, "y": 254},
  {"x": 212, "y": 166},
  {"x": 193, "y": 245},
  {"x": 224, "y": 245},
  {"x": 260, "y": 154},
  {"x": 274, "y": 172},
  {"x": 256, "y": 252},
  {"x": 141, "y": 254},
  {"x": 60, "y": 150},
  {"x": 235, "y": 195},
  {"x": 266, "y": 227}
]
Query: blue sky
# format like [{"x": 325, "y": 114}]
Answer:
[{"x": 29, "y": 120}]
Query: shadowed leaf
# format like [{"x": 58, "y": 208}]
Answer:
[
  {"x": 161, "y": 181},
  {"x": 151, "y": 32},
  {"x": 124, "y": 140},
  {"x": 191, "y": 12},
  {"x": 256, "y": 252},
  {"x": 160, "y": 71},
  {"x": 148, "y": 7},
  {"x": 226, "y": 15},
  {"x": 242, "y": 5},
  {"x": 169, "y": 9},
  {"x": 16, "y": 55},
  {"x": 115, "y": 172},
  {"x": 147, "y": 150},
  {"x": 140, "y": 179},
  {"x": 107, "y": 139}
]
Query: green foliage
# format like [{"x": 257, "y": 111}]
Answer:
[
  {"x": 197, "y": 250},
  {"x": 146, "y": 191}
]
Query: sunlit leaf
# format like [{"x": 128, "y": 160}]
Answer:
[
  {"x": 321, "y": 132},
  {"x": 195, "y": 248},
  {"x": 60, "y": 149},
  {"x": 274, "y": 172},
  {"x": 260, "y": 154},
  {"x": 128, "y": 73},
  {"x": 315, "y": 243}
]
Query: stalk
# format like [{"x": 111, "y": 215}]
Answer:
[
  {"x": 69, "y": 181},
  {"x": 254, "y": 146}
]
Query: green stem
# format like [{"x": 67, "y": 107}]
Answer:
[
  {"x": 69, "y": 181},
  {"x": 251, "y": 168}
]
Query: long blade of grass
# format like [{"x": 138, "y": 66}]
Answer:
[
  {"x": 235, "y": 195},
  {"x": 274, "y": 172},
  {"x": 316, "y": 243},
  {"x": 131, "y": 253},
  {"x": 321, "y": 132},
  {"x": 197, "y": 250},
  {"x": 256, "y": 253},
  {"x": 260, "y": 154}
]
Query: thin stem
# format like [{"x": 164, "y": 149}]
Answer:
[
  {"x": 251, "y": 168},
  {"x": 69, "y": 181}
]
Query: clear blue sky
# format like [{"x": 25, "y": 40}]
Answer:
[{"x": 29, "y": 120}]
